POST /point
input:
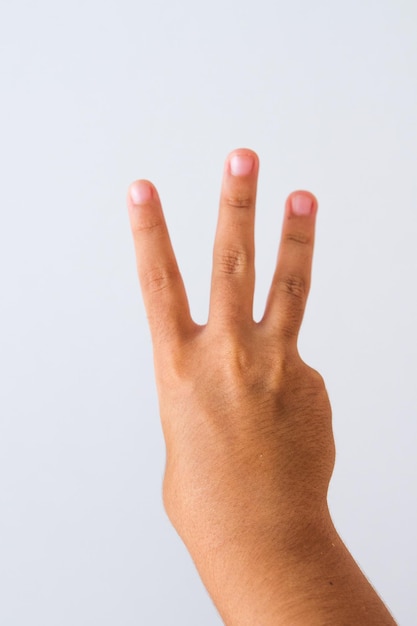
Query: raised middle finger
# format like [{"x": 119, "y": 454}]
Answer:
[{"x": 233, "y": 276}]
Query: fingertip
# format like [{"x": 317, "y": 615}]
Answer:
[
  {"x": 242, "y": 162},
  {"x": 243, "y": 151},
  {"x": 141, "y": 192},
  {"x": 302, "y": 203}
]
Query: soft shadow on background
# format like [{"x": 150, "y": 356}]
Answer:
[{"x": 96, "y": 94}]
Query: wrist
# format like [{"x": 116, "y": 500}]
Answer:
[
  {"x": 248, "y": 574},
  {"x": 253, "y": 579},
  {"x": 300, "y": 575}
]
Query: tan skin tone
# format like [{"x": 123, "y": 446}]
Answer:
[{"x": 247, "y": 423}]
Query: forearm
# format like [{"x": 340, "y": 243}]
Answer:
[{"x": 301, "y": 578}]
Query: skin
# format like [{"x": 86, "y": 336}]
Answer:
[{"x": 247, "y": 424}]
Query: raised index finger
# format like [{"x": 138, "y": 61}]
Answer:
[{"x": 161, "y": 282}]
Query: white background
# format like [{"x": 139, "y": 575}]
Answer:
[{"x": 95, "y": 94}]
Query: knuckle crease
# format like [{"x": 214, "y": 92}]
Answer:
[
  {"x": 160, "y": 278},
  {"x": 294, "y": 286},
  {"x": 239, "y": 201},
  {"x": 233, "y": 261},
  {"x": 298, "y": 237}
]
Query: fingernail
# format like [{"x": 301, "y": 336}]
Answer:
[
  {"x": 241, "y": 164},
  {"x": 301, "y": 204},
  {"x": 141, "y": 192}
]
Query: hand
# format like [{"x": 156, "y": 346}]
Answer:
[{"x": 247, "y": 423}]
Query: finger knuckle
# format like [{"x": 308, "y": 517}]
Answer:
[
  {"x": 233, "y": 261},
  {"x": 159, "y": 278},
  {"x": 298, "y": 237},
  {"x": 239, "y": 200},
  {"x": 147, "y": 226},
  {"x": 294, "y": 286}
]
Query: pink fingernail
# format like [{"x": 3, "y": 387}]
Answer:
[
  {"x": 301, "y": 204},
  {"x": 141, "y": 192},
  {"x": 241, "y": 164}
]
